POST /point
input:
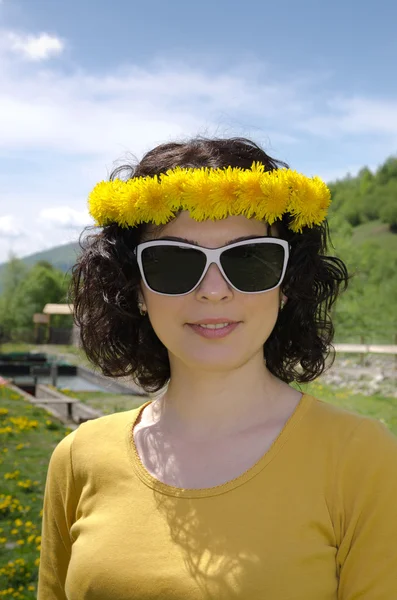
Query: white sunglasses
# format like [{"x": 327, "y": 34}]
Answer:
[{"x": 252, "y": 266}]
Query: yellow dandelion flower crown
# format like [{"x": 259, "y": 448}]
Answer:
[{"x": 212, "y": 194}]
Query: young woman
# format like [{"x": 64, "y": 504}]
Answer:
[{"x": 208, "y": 281}]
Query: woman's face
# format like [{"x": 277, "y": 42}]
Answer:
[{"x": 213, "y": 298}]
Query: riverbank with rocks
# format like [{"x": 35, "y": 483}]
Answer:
[{"x": 366, "y": 374}]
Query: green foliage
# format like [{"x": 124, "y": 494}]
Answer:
[
  {"x": 60, "y": 257},
  {"x": 368, "y": 196},
  {"x": 12, "y": 277},
  {"x": 361, "y": 205},
  {"x": 388, "y": 214},
  {"x": 27, "y": 291}
]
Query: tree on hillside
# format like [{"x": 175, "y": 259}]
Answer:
[
  {"x": 41, "y": 286},
  {"x": 368, "y": 308},
  {"x": 14, "y": 273},
  {"x": 365, "y": 197},
  {"x": 28, "y": 294},
  {"x": 388, "y": 214},
  {"x": 387, "y": 171}
]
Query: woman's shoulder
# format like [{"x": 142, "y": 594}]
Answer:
[
  {"x": 100, "y": 432},
  {"x": 344, "y": 424}
]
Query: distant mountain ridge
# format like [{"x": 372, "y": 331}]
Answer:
[{"x": 62, "y": 257}]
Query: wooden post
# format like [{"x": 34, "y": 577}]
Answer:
[
  {"x": 395, "y": 356},
  {"x": 54, "y": 373},
  {"x": 362, "y": 358}
]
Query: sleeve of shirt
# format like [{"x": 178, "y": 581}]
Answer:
[
  {"x": 59, "y": 507},
  {"x": 366, "y": 496}
]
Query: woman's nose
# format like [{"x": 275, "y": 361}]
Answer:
[{"x": 214, "y": 284}]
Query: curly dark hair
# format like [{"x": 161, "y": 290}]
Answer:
[{"x": 106, "y": 281}]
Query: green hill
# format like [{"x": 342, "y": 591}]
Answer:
[
  {"x": 378, "y": 232},
  {"x": 62, "y": 257}
]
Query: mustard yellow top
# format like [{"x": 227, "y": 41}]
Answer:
[{"x": 314, "y": 519}]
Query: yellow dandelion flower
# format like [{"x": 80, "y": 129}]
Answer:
[
  {"x": 197, "y": 195},
  {"x": 103, "y": 202},
  {"x": 250, "y": 192},
  {"x": 309, "y": 201},
  {"x": 129, "y": 195},
  {"x": 275, "y": 198},
  {"x": 173, "y": 183},
  {"x": 152, "y": 206},
  {"x": 225, "y": 187}
]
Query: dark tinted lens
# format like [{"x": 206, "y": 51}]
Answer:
[
  {"x": 172, "y": 269},
  {"x": 254, "y": 267}
]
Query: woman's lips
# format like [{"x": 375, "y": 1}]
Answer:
[{"x": 214, "y": 333}]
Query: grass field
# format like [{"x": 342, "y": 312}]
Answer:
[
  {"x": 106, "y": 403},
  {"x": 377, "y": 232}
]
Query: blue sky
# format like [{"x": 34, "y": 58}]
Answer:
[{"x": 84, "y": 83}]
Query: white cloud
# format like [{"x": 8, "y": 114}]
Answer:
[
  {"x": 132, "y": 109},
  {"x": 64, "y": 217},
  {"x": 35, "y": 47},
  {"x": 9, "y": 227},
  {"x": 358, "y": 116}
]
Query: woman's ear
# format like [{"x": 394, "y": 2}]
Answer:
[
  {"x": 284, "y": 298},
  {"x": 141, "y": 297}
]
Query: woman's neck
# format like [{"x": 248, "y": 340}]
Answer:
[{"x": 210, "y": 404}]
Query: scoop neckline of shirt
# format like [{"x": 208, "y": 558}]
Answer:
[{"x": 265, "y": 459}]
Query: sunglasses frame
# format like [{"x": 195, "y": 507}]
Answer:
[{"x": 212, "y": 257}]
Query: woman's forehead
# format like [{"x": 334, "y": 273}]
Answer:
[{"x": 220, "y": 230}]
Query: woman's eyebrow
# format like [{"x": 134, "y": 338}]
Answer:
[{"x": 181, "y": 239}]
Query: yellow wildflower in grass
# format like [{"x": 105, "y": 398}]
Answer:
[
  {"x": 13, "y": 475},
  {"x": 23, "y": 423},
  {"x": 7, "y": 429},
  {"x": 3, "y": 412},
  {"x": 27, "y": 484},
  {"x": 20, "y": 446}
]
